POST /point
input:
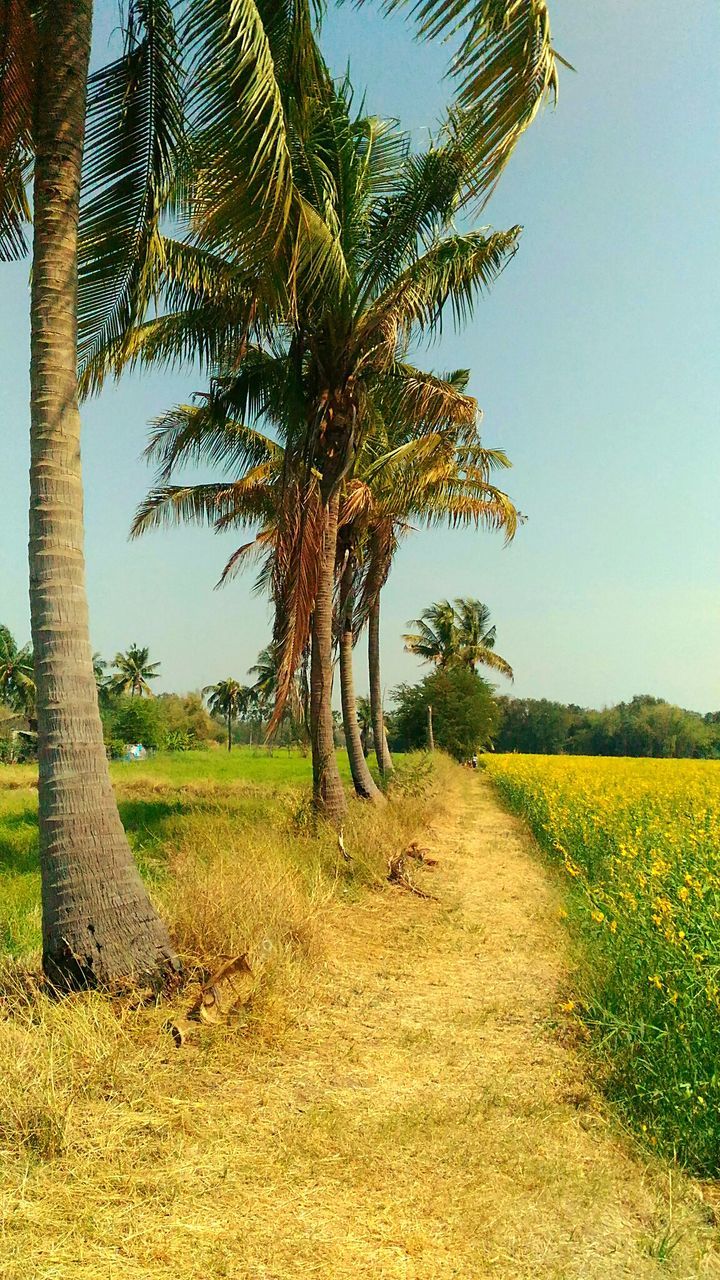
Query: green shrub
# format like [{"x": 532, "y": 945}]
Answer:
[{"x": 464, "y": 712}]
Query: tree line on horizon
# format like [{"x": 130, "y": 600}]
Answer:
[{"x": 317, "y": 248}]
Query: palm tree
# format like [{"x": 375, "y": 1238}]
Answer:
[
  {"x": 456, "y": 634},
  {"x": 364, "y": 716},
  {"x": 375, "y": 261},
  {"x": 443, "y": 478},
  {"x": 440, "y": 476},
  {"x": 134, "y": 671},
  {"x": 229, "y": 699},
  {"x": 363, "y": 781},
  {"x": 477, "y": 637},
  {"x": 98, "y": 922},
  {"x": 17, "y": 680}
]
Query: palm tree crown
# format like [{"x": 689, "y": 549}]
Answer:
[
  {"x": 456, "y": 634},
  {"x": 133, "y": 672},
  {"x": 17, "y": 678}
]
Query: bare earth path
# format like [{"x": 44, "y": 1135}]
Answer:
[{"x": 420, "y": 1121}]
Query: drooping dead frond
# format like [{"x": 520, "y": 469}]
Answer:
[{"x": 18, "y": 53}]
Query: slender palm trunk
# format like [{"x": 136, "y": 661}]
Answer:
[
  {"x": 363, "y": 780},
  {"x": 430, "y": 734},
  {"x": 382, "y": 752},
  {"x": 229, "y": 730},
  {"x": 328, "y": 790},
  {"x": 98, "y": 923}
]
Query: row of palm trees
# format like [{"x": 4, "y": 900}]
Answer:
[
  {"x": 130, "y": 674},
  {"x": 318, "y": 247}
]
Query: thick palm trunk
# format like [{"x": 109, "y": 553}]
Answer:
[
  {"x": 328, "y": 790},
  {"x": 98, "y": 923},
  {"x": 363, "y": 780},
  {"x": 382, "y": 753}
]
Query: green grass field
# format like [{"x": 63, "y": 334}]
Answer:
[
  {"x": 182, "y": 808},
  {"x": 638, "y": 843}
]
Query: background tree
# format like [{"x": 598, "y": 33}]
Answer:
[
  {"x": 133, "y": 672},
  {"x": 458, "y": 634},
  {"x": 364, "y": 716},
  {"x": 229, "y": 699},
  {"x": 464, "y": 712},
  {"x": 17, "y": 680}
]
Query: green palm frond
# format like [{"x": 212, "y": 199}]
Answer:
[
  {"x": 453, "y": 271},
  {"x": 504, "y": 68},
  {"x": 135, "y": 136},
  {"x": 238, "y": 119},
  {"x": 192, "y": 434},
  {"x": 408, "y": 220}
]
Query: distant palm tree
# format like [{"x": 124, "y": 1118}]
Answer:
[
  {"x": 17, "y": 678},
  {"x": 458, "y": 634},
  {"x": 230, "y": 699},
  {"x": 364, "y": 715},
  {"x": 134, "y": 670}
]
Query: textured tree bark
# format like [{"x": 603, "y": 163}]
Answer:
[
  {"x": 363, "y": 780},
  {"x": 98, "y": 923},
  {"x": 328, "y": 791},
  {"x": 382, "y": 753}
]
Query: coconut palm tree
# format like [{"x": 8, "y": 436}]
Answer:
[
  {"x": 375, "y": 261},
  {"x": 98, "y": 923},
  {"x": 96, "y": 266},
  {"x": 229, "y": 699},
  {"x": 477, "y": 637},
  {"x": 364, "y": 716},
  {"x": 134, "y": 671},
  {"x": 17, "y": 680},
  {"x": 441, "y": 475},
  {"x": 456, "y": 634}
]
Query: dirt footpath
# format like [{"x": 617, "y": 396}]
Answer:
[
  {"x": 419, "y": 1119},
  {"x": 436, "y": 1127}
]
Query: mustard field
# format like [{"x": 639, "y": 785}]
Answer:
[{"x": 638, "y": 842}]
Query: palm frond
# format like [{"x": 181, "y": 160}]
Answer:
[
  {"x": 135, "y": 135},
  {"x": 505, "y": 67},
  {"x": 244, "y": 180},
  {"x": 18, "y": 38},
  {"x": 169, "y": 506},
  {"x": 192, "y": 434},
  {"x": 454, "y": 271}
]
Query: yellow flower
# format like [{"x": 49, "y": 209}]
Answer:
[{"x": 655, "y": 980}]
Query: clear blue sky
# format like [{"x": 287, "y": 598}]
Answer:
[{"x": 595, "y": 361}]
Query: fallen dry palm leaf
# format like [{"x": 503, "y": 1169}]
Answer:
[
  {"x": 398, "y": 872},
  {"x": 229, "y": 987}
]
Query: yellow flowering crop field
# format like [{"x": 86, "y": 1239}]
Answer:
[{"x": 639, "y": 843}]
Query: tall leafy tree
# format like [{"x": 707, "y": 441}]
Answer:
[
  {"x": 375, "y": 262},
  {"x": 437, "y": 476},
  {"x": 17, "y": 680},
  {"x": 229, "y": 699},
  {"x": 133, "y": 672},
  {"x": 459, "y": 634}
]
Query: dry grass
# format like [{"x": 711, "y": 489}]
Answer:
[{"x": 394, "y": 1107}]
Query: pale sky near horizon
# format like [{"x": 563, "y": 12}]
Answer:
[{"x": 595, "y": 360}]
